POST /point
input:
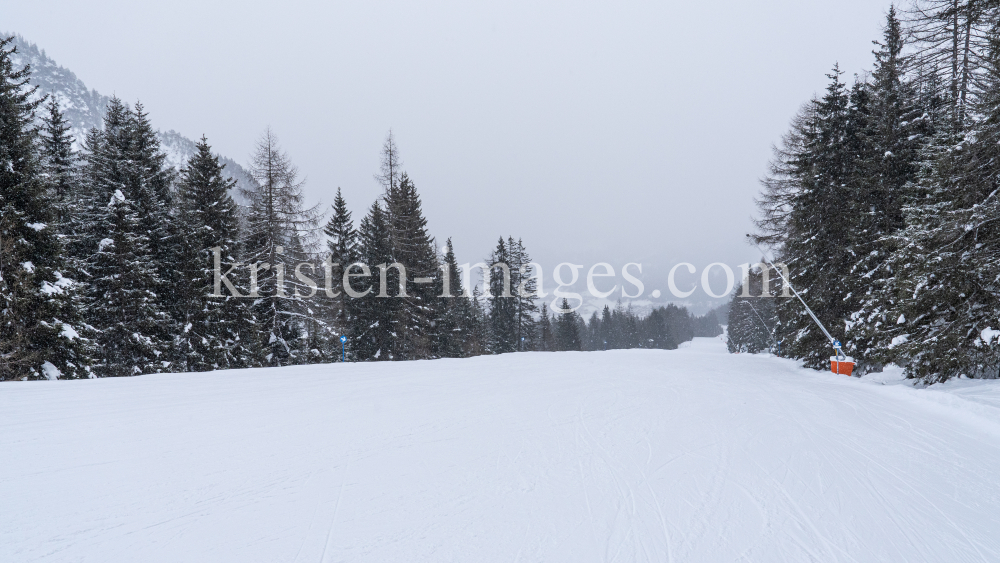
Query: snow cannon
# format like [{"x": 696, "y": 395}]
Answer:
[{"x": 842, "y": 365}]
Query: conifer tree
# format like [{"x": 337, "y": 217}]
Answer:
[
  {"x": 36, "y": 340},
  {"x": 817, "y": 237},
  {"x": 888, "y": 166},
  {"x": 391, "y": 166},
  {"x": 945, "y": 299},
  {"x": 276, "y": 221},
  {"x": 413, "y": 247},
  {"x": 502, "y": 302},
  {"x": 592, "y": 337},
  {"x": 457, "y": 317},
  {"x": 567, "y": 330},
  {"x": 546, "y": 336},
  {"x": 950, "y": 38},
  {"x": 148, "y": 187},
  {"x": 707, "y": 325},
  {"x": 655, "y": 331},
  {"x": 480, "y": 342},
  {"x": 607, "y": 324},
  {"x": 218, "y": 332},
  {"x": 373, "y": 318},
  {"x": 316, "y": 343},
  {"x": 524, "y": 288},
  {"x": 59, "y": 162},
  {"x": 123, "y": 300},
  {"x": 342, "y": 244}
]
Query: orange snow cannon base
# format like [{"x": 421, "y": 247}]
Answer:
[{"x": 842, "y": 366}]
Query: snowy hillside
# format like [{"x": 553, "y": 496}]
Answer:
[
  {"x": 84, "y": 108},
  {"x": 687, "y": 455}
]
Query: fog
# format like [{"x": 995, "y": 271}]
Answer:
[{"x": 594, "y": 131}]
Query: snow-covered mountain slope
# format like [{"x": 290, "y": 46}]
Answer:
[
  {"x": 84, "y": 108},
  {"x": 634, "y": 455}
]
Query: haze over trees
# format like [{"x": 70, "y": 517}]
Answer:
[{"x": 110, "y": 256}]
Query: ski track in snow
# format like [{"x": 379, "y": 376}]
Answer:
[{"x": 619, "y": 456}]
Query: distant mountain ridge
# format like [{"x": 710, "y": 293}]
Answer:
[{"x": 84, "y": 108}]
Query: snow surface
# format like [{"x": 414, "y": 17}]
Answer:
[{"x": 625, "y": 455}]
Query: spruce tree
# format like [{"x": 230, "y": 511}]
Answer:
[
  {"x": 945, "y": 289},
  {"x": 567, "y": 330},
  {"x": 524, "y": 288},
  {"x": 149, "y": 182},
  {"x": 457, "y": 318},
  {"x": 592, "y": 340},
  {"x": 887, "y": 167},
  {"x": 656, "y": 331},
  {"x": 59, "y": 162},
  {"x": 36, "y": 339},
  {"x": 707, "y": 325},
  {"x": 342, "y": 244},
  {"x": 546, "y": 336},
  {"x": 124, "y": 304},
  {"x": 217, "y": 332},
  {"x": 373, "y": 318},
  {"x": 818, "y": 241},
  {"x": 480, "y": 341},
  {"x": 413, "y": 247},
  {"x": 502, "y": 302},
  {"x": 679, "y": 322},
  {"x": 607, "y": 324}
]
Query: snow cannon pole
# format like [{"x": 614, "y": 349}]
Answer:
[
  {"x": 762, "y": 323},
  {"x": 833, "y": 341}
]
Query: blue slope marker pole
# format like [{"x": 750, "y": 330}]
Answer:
[{"x": 343, "y": 348}]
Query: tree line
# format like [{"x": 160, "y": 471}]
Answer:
[
  {"x": 110, "y": 262},
  {"x": 882, "y": 199}
]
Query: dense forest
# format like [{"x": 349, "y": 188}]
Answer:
[
  {"x": 882, "y": 199},
  {"x": 110, "y": 263}
]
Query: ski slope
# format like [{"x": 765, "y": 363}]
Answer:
[{"x": 639, "y": 455}]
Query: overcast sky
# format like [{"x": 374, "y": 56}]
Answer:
[{"x": 594, "y": 131}]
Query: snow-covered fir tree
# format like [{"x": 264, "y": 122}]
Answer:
[
  {"x": 217, "y": 332},
  {"x": 413, "y": 247},
  {"x": 124, "y": 304},
  {"x": 567, "y": 329},
  {"x": 36, "y": 307},
  {"x": 525, "y": 287},
  {"x": 457, "y": 318},
  {"x": 342, "y": 242},
  {"x": 502, "y": 302},
  {"x": 373, "y": 314},
  {"x": 59, "y": 160},
  {"x": 546, "y": 336},
  {"x": 815, "y": 199},
  {"x": 894, "y": 128}
]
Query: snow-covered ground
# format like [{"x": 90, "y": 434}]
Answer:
[{"x": 687, "y": 455}]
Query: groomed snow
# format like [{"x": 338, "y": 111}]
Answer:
[{"x": 688, "y": 455}]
